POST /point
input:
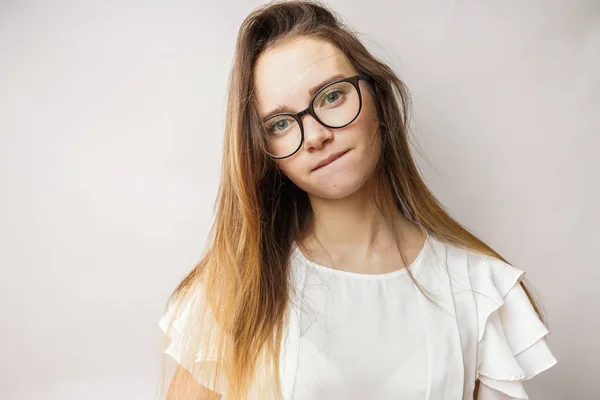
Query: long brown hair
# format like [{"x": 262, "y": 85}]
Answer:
[{"x": 243, "y": 274}]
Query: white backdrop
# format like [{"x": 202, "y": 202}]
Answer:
[{"x": 111, "y": 119}]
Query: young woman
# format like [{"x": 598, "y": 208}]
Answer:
[{"x": 332, "y": 272}]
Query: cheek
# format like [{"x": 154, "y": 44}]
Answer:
[
  {"x": 366, "y": 133},
  {"x": 295, "y": 170},
  {"x": 368, "y": 118},
  {"x": 288, "y": 167}
]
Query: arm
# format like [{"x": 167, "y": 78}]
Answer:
[
  {"x": 184, "y": 387},
  {"x": 476, "y": 390}
]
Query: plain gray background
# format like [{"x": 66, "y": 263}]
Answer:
[{"x": 111, "y": 120}]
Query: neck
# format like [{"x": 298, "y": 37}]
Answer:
[{"x": 354, "y": 222}]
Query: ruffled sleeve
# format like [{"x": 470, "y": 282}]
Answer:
[
  {"x": 188, "y": 328},
  {"x": 512, "y": 344}
]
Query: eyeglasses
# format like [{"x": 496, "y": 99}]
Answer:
[{"x": 335, "y": 105}]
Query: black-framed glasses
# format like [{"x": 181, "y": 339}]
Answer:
[{"x": 335, "y": 105}]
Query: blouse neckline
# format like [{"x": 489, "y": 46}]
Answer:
[{"x": 359, "y": 275}]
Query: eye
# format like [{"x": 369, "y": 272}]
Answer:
[
  {"x": 281, "y": 124},
  {"x": 332, "y": 96},
  {"x": 278, "y": 126}
]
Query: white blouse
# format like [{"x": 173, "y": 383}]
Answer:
[{"x": 356, "y": 336}]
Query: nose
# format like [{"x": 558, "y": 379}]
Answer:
[{"x": 315, "y": 134}]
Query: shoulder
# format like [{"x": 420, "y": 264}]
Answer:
[
  {"x": 474, "y": 269},
  {"x": 508, "y": 336},
  {"x": 190, "y": 332},
  {"x": 177, "y": 321}
]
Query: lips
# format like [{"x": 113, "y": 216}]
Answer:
[{"x": 329, "y": 160}]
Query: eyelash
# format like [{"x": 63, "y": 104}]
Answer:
[{"x": 334, "y": 90}]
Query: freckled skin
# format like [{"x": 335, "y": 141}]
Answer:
[{"x": 283, "y": 75}]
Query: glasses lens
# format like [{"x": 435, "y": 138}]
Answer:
[
  {"x": 337, "y": 104},
  {"x": 283, "y": 135}
]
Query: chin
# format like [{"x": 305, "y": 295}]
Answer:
[{"x": 335, "y": 189}]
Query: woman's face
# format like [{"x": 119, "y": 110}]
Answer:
[{"x": 283, "y": 77}]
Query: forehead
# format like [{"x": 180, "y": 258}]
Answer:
[{"x": 284, "y": 74}]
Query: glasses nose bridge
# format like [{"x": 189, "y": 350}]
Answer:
[{"x": 310, "y": 112}]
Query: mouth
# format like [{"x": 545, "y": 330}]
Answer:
[{"x": 329, "y": 160}]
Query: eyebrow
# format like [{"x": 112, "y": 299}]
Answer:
[{"x": 282, "y": 108}]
